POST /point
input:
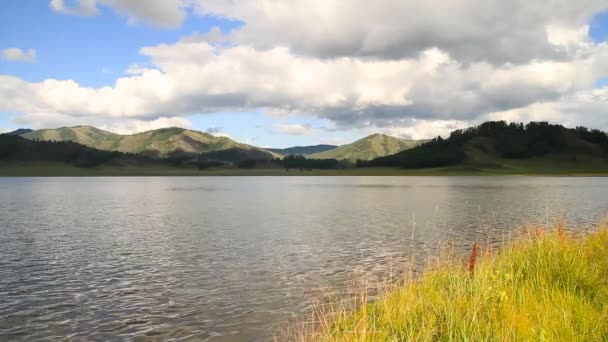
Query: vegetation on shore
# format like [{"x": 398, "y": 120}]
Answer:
[
  {"x": 523, "y": 168},
  {"x": 544, "y": 286},
  {"x": 492, "y": 148},
  {"x": 489, "y": 144}
]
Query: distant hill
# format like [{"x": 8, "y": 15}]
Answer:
[
  {"x": 20, "y": 131},
  {"x": 155, "y": 143},
  {"x": 17, "y": 149},
  {"x": 493, "y": 144},
  {"x": 370, "y": 147},
  {"x": 301, "y": 150}
]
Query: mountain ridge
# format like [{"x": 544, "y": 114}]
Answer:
[
  {"x": 161, "y": 142},
  {"x": 19, "y": 131},
  {"x": 166, "y": 141},
  {"x": 368, "y": 148}
]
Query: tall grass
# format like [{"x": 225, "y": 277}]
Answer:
[{"x": 544, "y": 286}]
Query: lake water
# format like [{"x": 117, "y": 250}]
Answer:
[{"x": 232, "y": 259}]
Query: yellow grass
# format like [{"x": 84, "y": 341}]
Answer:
[{"x": 545, "y": 286}]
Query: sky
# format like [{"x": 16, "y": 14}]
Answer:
[{"x": 279, "y": 73}]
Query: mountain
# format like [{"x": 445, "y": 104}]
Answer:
[
  {"x": 301, "y": 150},
  {"x": 370, "y": 147},
  {"x": 497, "y": 144},
  {"x": 18, "y": 149},
  {"x": 157, "y": 143},
  {"x": 20, "y": 131}
]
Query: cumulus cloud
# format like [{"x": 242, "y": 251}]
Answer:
[
  {"x": 78, "y": 7},
  {"x": 416, "y": 69},
  {"x": 116, "y": 125},
  {"x": 333, "y": 141},
  {"x": 163, "y": 13},
  {"x": 18, "y": 55},
  {"x": 469, "y": 30},
  {"x": 295, "y": 129},
  {"x": 196, "y": 77},
  {"x": 416, "y": 129},
  {"x": 586, "y": 107},
  {"x": 134, "y": 126}
]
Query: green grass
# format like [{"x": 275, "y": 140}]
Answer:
[
  {"x": 516, "y": 168},
  {"x": 545, "y": 286}
]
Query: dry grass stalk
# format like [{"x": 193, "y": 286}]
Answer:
[{"x": 473, "y": 259}]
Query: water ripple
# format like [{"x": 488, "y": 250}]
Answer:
[{"x": 231, "y": 259}]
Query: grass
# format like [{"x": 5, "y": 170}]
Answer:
[
  {"x": 536, "y": 167},
  {"x": 545, "y": 286}
]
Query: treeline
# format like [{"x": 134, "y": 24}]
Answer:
[
  {"x": 247, "y": 160},
  {"x": 300, "y": 162},
  {"x": 509, "y": 140},
  {"x": 290, "y": 162},
  {"x": 15, "y": 148},
  {"x": 435, "y": 153}
]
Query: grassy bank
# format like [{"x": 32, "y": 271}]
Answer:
[
  {"x": 546, "y": 286},
  {"x": 531, "y": 168}
]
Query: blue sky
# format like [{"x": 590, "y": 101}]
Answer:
[{"x": 96, "y": 50}]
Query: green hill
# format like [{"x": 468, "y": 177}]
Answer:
[
  {"x": 17, "y": 149},
  {"x": 301, "y": 150},
  {"x": 499, "y": 145},
  {"x": 157, "y": 143},
  {"x": 373, "y": 146}
]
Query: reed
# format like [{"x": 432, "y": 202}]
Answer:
[
  {"x": 473, "y": 259},
  {"x": 545, "y": 285}
]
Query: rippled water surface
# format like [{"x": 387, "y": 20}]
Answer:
[{"x": 231, "y": 259}]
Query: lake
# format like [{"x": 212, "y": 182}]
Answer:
[{"x": 234, "y": 258}]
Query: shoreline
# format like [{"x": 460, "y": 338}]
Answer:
[
  {"x": 543, "y": 285},
  {"x": 62, "y": 170}
]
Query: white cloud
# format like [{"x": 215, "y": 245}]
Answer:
[
  {"x": 195, "y": 77},
  {"x": 586, "y": 107},
  {"x": 78, "y": 7},
  {"x": 116, "y": 125},
  {"x": 355, "y": 64},
  {"x": 134, "y": 126},
  {"x": 333, "y": 141},
  {"x": 469, "y": 30},
  {"x": 567, "y": 36},
  {"x": 423, "y": 129},
  {"x": 5, "y": 130},
  {"x": 295, "y": 129},
  {"x": 162, "y": 13},
  {"x": 222, "y": 134},
  {"x": 18, "y": 55}
]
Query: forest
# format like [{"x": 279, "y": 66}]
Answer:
[{"x": 507, "y": 140}]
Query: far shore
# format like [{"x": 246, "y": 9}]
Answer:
[{"x": 62, "y": 170}]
